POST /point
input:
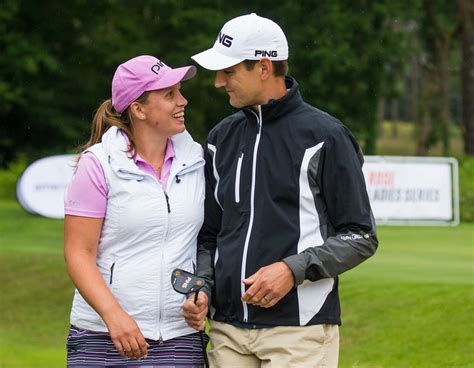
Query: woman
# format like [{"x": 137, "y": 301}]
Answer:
[{"x": 133, "y": 211}]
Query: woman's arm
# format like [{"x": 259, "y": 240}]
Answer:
[{"x": 81, "y": 239}]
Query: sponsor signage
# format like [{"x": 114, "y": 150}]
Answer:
[
  {"x": 402, "y": 190},
  {"x": 40, "y": 189},
  {"x": 413, "y": 190}
]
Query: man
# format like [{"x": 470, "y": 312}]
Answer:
[{"x": 286, "y": 211}]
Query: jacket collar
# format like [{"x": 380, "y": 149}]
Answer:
[
  {"x": 188, "y": 154},
  {"x": 276, "y": 108}
]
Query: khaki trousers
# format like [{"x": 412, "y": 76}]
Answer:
[{"x": 283, "y": 346}]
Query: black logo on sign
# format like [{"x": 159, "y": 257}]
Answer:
[
  {"x": 156, "y": 67},
  {"x": 225, "y": 40},
  {"x": 265, "y": 53}
]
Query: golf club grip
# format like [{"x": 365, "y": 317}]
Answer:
[
  {"x": 196, "y": 297},
  {"x": 201, "y": 335},
  {"x": 204, "y": 353}
]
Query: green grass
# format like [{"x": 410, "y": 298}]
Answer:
[
  {"x": 411, "y": 305},
  {"x": 35, "y": 290}
]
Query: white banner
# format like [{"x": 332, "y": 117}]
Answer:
[
  {"x": 40, "y": 189},
  {"x": 402, "y": 190},
  {"x": 412, "y": 190}
]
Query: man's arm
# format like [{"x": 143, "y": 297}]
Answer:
[
  {"x": 207, "y": 238},
  {"x": 339, "y": 175},
  {"x": 207, "y": 245}
]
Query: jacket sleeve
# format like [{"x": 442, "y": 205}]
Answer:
[
  {"x": 352, "y": 236},
  {"x": 207, "y": 238}
]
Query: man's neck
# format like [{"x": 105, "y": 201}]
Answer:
[{"x": 274, "y": 90}]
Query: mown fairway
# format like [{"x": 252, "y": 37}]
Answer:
[{"x": 411, "y": 305}]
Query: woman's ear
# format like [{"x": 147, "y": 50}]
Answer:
[{"x": 136, "y": 109}]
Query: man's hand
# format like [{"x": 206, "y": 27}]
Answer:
[
  {"x": 268, "y": 285},
  {"x": 195, "y": 314}
]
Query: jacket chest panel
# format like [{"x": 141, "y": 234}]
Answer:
[{"x": 277, "y": 165}]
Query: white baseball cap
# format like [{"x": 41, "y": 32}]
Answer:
[{"x": 248, "y": 37}]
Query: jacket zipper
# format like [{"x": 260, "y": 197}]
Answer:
[
  {"x": 237, "y": 178},
  {"x": 252, "y": 211}
]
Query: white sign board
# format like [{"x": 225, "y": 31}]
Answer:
[
  {"x": 40, "y": 189},
  {"x": 412, "y": 190},
  {"x": 402, "y": 190}
]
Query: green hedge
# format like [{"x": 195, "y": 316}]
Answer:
[
  {"x": 466, "y": 188},
  {"x": 9, "y": 177}
]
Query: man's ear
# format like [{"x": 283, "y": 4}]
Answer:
[
  {"x": 266, "y": 67},
  {"x": 136, "y": 109}
]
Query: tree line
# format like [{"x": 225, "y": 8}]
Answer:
[{"x": 57, "y": 59}]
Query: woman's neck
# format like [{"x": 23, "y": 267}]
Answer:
[{"x": 151, "y": 148}]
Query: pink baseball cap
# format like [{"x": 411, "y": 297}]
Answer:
[{"x": 141, "y": 74}]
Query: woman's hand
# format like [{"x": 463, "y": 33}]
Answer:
[{"x": 126, "y": 335}]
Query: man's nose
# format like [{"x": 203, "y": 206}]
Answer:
[{"x": 220, "y": 80}]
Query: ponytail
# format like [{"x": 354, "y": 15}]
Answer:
[{"x": 104, "y": 118}]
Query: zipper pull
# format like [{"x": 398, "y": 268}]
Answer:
[
  {"x": 168, "y": 202},
  {"x": 160, "y": 341}
]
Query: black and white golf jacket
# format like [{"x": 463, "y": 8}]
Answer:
[{"x": 284, "y": 183}]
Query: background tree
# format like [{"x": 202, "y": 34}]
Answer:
[
  {"x": 440, "y": 26},
  {"x": 57, "y": 60},
  {"x": 466, "y": 12}
]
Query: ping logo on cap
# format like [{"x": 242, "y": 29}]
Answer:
[
  {"x": 265, "y": 53},
  {"x": 225, "y": 40},
  {"x": 156, "y": 67}
]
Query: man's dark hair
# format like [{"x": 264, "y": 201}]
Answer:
[{"x": 280, "y": 68}]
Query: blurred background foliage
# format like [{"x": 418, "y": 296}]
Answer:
[
  {"x": 353, "y": 59},
  {"x": 365, "y": 62}
]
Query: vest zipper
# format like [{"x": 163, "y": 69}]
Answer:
[
  {"x": 111, "y": 273},
  {"x": 160, "y": 297},
  {"x": 161, "y": 278},
  {"x": 252, "y": 211},
  {"x": 168, "y": 202}
]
